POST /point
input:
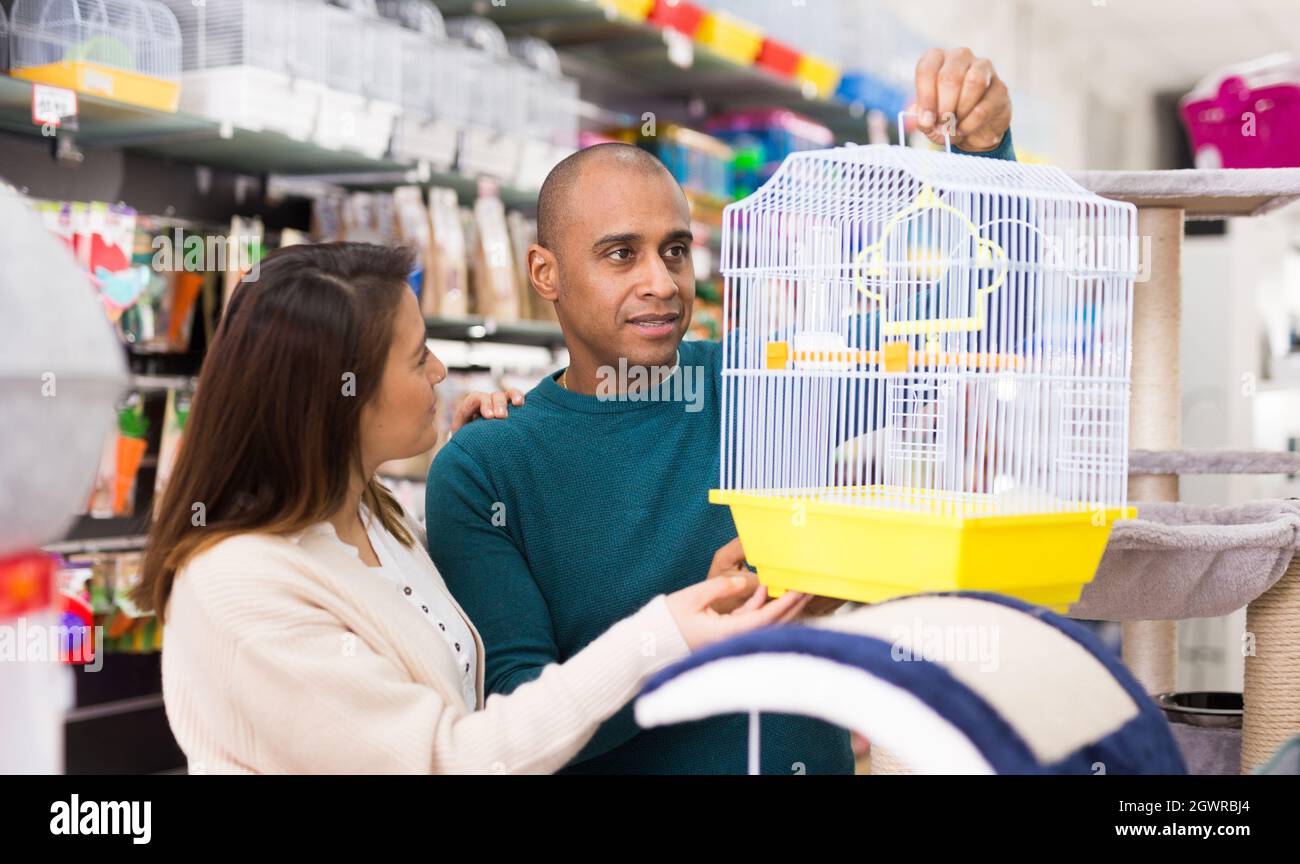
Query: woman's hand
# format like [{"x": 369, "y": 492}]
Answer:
[
  {"x": 700, "y": 625},
  {"x": 486, "y": 405}
]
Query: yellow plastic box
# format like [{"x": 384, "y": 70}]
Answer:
[
  {"x": 96, "y": 79},
  {"x": 733, "y": 39},
  {"x": 821, "y": 75},
  {"x": 869, "y": 552}
]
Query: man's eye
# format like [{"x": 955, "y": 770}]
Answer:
[
  {"x": 621, "y": 254},
  {"x": 678, "y": 251}
]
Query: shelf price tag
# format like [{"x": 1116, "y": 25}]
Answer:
[{"x": 53, "y": 106}]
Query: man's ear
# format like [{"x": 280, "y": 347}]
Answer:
[{"x": 544, "y": 272}]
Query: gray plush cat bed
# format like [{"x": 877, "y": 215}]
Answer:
[{"x": 1178, "y": 561}]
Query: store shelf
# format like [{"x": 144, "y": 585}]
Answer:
[
  {"x": 540, "y": 334},
  {"x": 106, "y": 124},
  {"x": 593, "y": 46}
]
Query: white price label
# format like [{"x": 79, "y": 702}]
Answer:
[{"x": 52, "y": 105}]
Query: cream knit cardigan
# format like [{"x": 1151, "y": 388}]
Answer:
[{"x": 290, "y": 655}]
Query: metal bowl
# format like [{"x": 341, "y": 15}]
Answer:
[{"x": 1203, "y": 708}]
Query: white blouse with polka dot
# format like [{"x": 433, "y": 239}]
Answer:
[{"x": 410, "y": 574}]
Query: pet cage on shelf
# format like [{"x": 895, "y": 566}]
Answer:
[
  {"x": 4, "y": 40},
  {"x": 492, "y": 142},
  {"x": 435, "y": 92},
  {"x": 926, "y": 378},
  {"x": 125, "y": 50},
  {"x": 359, "y": 105},
  {"x": 550, "y": 130},
  {"x": 240, "y": 68}
]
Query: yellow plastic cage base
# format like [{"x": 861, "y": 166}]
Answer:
[
  {"x": 872, "y": 553},
  {"x": 96, "y": 79}
]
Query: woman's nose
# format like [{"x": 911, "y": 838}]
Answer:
[{"x": 437, "y": 370}]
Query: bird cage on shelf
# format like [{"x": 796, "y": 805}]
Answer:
[
  {"x": 925, "y": 375},
  {"x": 434, "y": 95},
  {"x": 125, "y": 50},
  {"x": 550, "y": 130},
  {"x": 240, "y": 69},
  {"x": 363, "y": 76},
  {"x": 4, "y": 40},
  {"x": 498, "y": 91}
]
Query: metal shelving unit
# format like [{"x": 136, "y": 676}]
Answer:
[{"x": 599, "y": 47}]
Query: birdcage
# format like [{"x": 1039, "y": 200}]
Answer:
[
  {"x": 125, "y": 50},
  {"x": 925, "y": 379},
  {"x": 4, "y": 40},
  {"x": 434, "y": 95},
  {"x": 550, "y": 130},
  {"x": 239, "y": 67},
  {"x": 363, "y": 73},
  {"x": 498, "y": 93}
]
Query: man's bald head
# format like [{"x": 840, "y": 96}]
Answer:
[{"x": 556, "y": 195}]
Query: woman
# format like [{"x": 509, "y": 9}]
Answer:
[{"x": 306, "y": 628}]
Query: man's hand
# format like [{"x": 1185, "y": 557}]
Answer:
[
  {"x": 962, "y": 93},
  {"x": 729, "y": 561},
  {"x": 486, "y": 405}
]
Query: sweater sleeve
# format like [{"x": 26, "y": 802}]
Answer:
[
  {"x": 1004, "y": 150},
  {"x": 491, "y": 580},
  {"x": 486, "y": 572},
  {"x": 314, "y": 698}
]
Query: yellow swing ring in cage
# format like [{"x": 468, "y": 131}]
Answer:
[{"x": 870, "y": 262}]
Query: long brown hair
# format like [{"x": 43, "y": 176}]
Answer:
[{"x": 273, "y": 437}]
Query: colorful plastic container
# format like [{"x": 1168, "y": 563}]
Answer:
[
  {"x": 683, "y": 17},
  {"x": 1247, "y": 115},
  {"x": 822, "y": 76},
  {"x": 730, "y": 37}
]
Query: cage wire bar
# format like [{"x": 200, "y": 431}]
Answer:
[{"x": 927, "y": 332}]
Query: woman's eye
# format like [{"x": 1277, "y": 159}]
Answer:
[{"x": 424, "y": 358}]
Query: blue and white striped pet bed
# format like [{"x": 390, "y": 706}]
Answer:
[{"x": 966, "y": 683}]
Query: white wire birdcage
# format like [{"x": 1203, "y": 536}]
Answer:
[
  {"x": 4, "y": 40},
  {"x": 550, "y": 130},
  {"x": 126, "y": 50},
  {"x": 240, "y": 68},
  {"x": 550, "y": 106},
  {"x": 926, "y": 340},
  {"x": 498, "y": 92},
  {"x": 362, "y": 63},
  {"x": 434, "y": 98}
]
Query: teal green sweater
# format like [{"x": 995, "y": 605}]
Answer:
[
  {"x": 557, "y": 522},
  {"x": 599, "y": 506}
]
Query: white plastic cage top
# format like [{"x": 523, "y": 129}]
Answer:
[
  {"x": 281, "y": 36},
  {"x": 362, "y": 51},
  {"x": 497, "y": 83},
  {"x": 927, "y": 331},
  {"x": 131, "y": 35},
  {"x": 433, "y": 77},
  {"x": 551, "y": 107}
]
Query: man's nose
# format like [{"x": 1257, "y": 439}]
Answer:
[{"x": 659, "y": 281}]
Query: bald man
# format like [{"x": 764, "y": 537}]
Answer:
[{"x": 593, "y": 496}]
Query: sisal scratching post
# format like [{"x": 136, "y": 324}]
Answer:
[
  {"x": 1150, "y": 647},
  {"x": 1272, "y": 688}
]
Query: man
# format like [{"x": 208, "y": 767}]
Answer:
[{"x": 593, "y": 496}]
